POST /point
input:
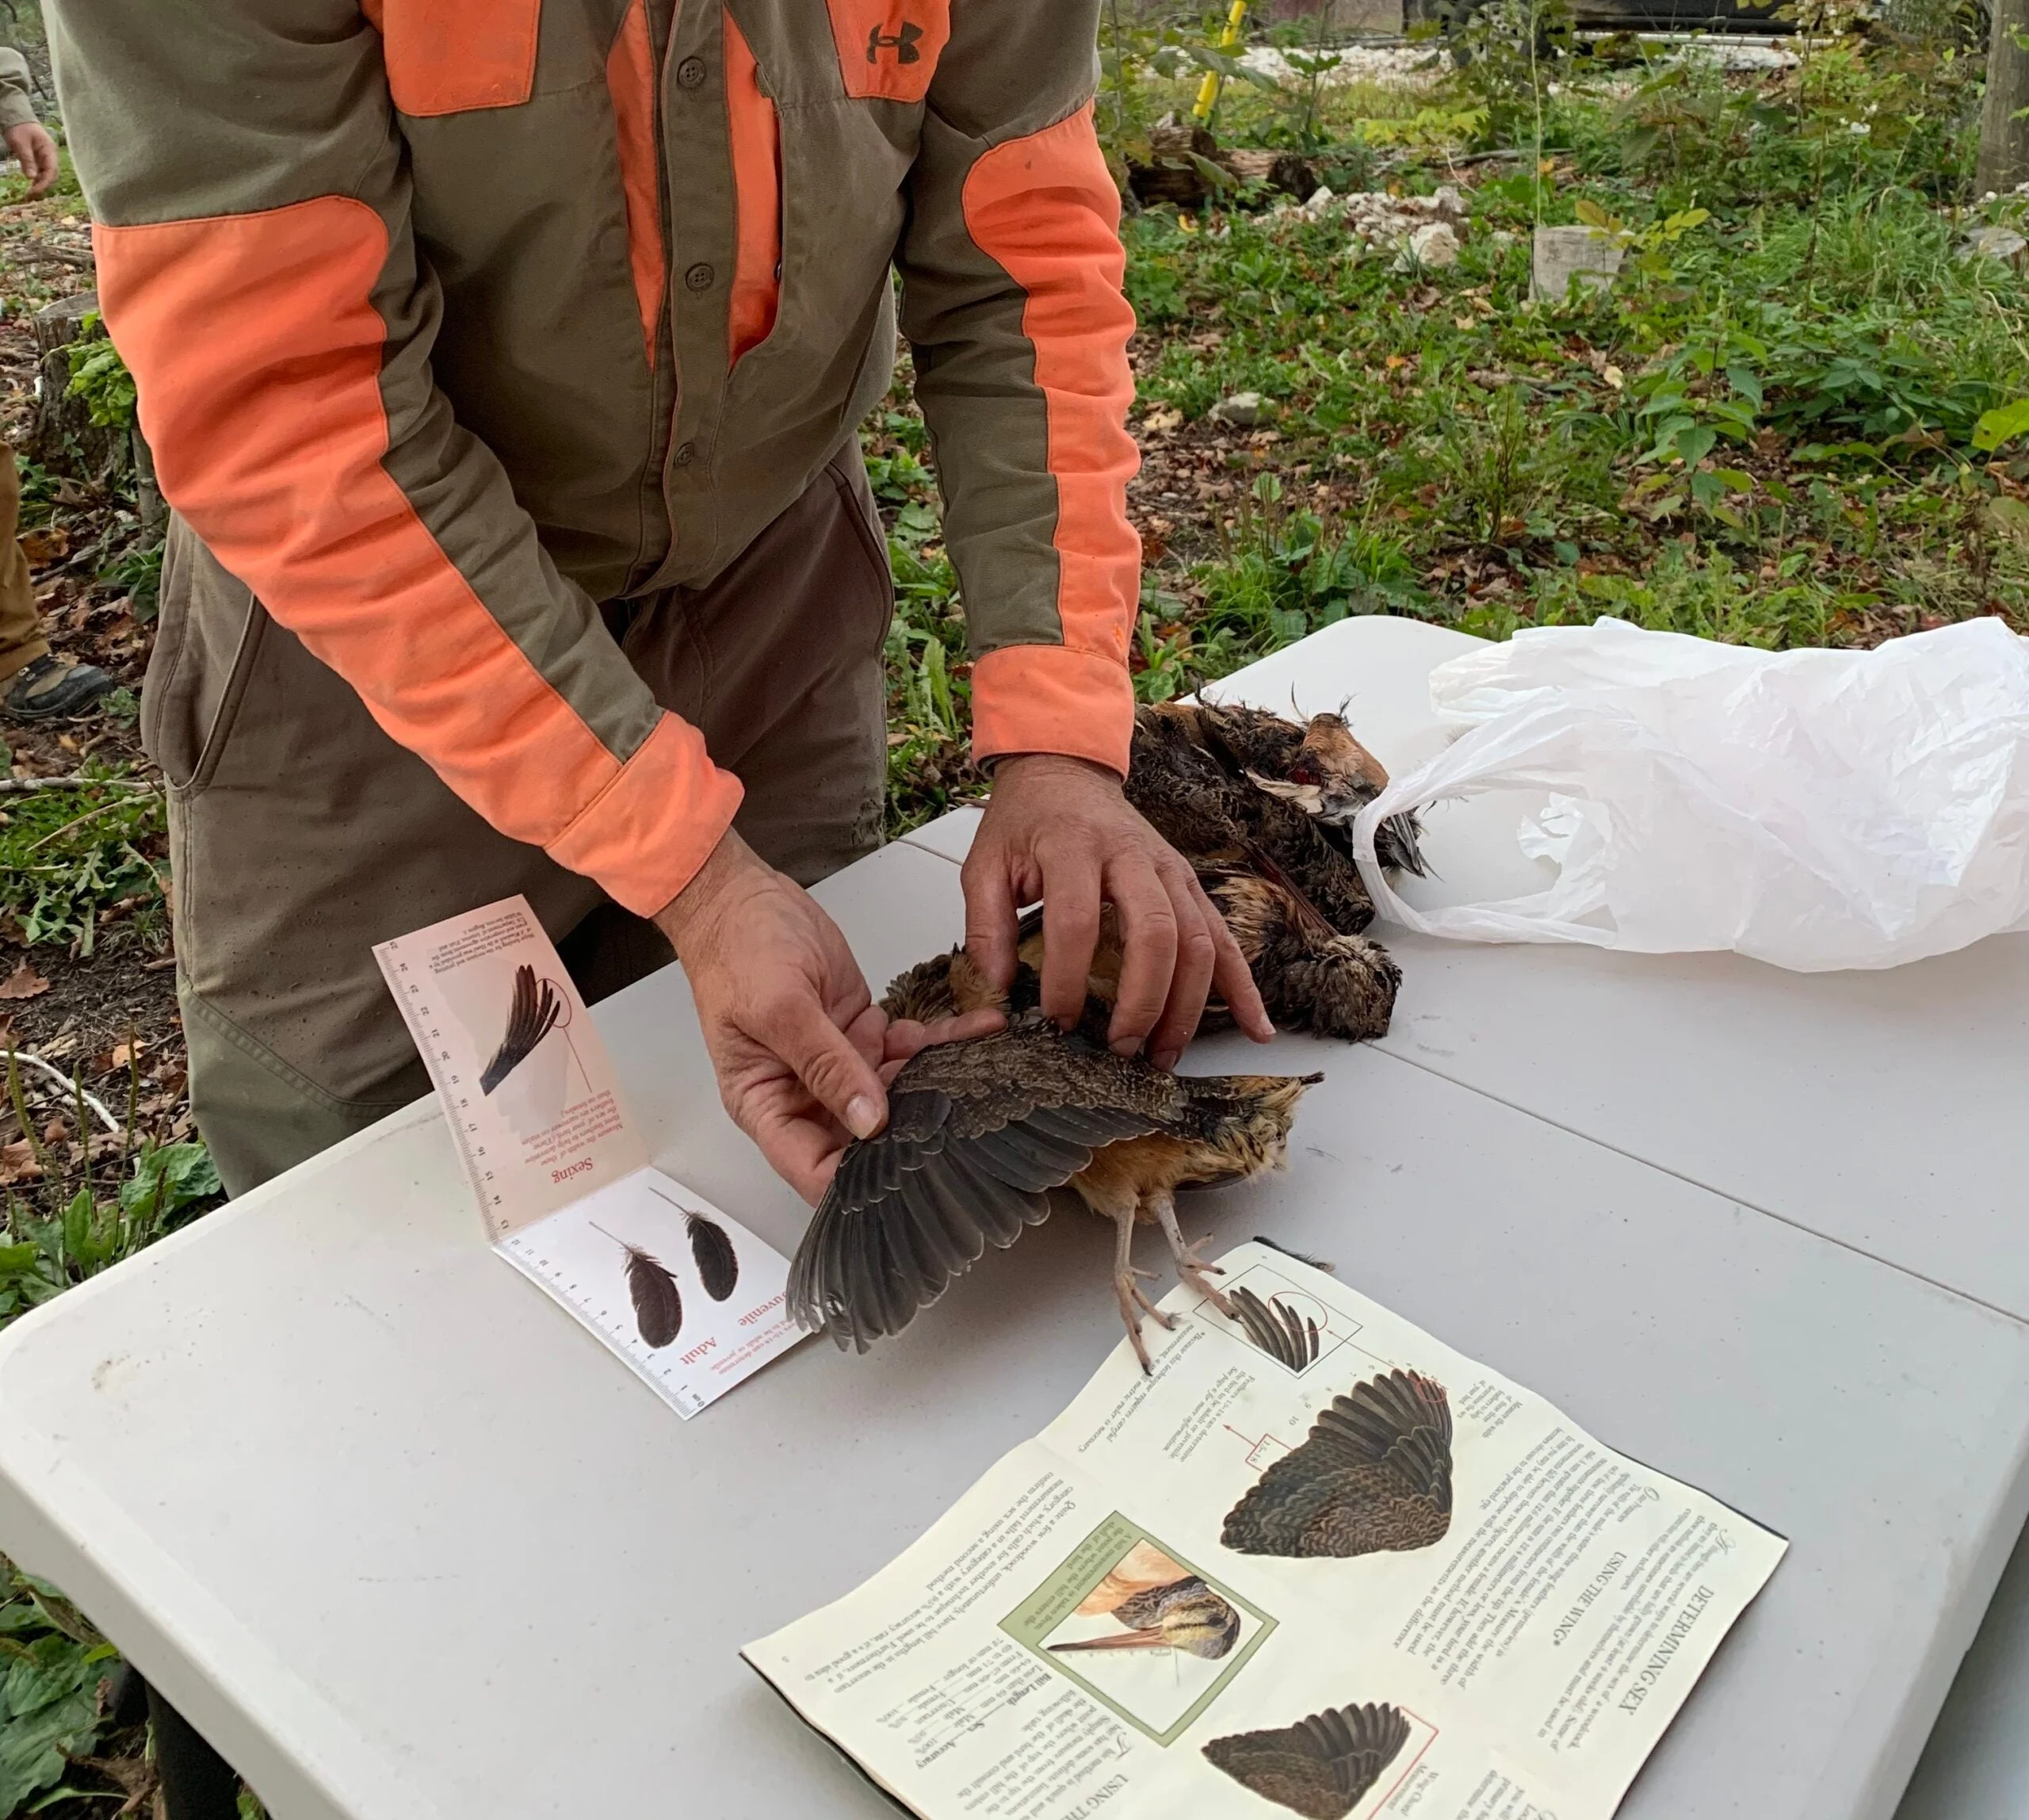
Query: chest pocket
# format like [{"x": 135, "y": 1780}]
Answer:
[
  {"x": 888, "y": 49},
  {"x": 452, "y": 56}
]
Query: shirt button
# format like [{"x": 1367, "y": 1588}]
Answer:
[
  {"x": 685, "y": 452},
  {"x": 690, "y": 72},
  {"x": 699, "y": 277}
]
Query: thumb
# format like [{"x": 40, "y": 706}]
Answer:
[{"x": 839, "y": 1077}]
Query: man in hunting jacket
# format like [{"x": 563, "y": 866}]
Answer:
[{"x": 502, "y": 361}]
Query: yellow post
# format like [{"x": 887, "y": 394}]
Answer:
[{"x": 1207, "y": 90}]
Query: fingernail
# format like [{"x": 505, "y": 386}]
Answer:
[
  {"x": 1167, "y": 1059},
  {"x": 863, "y": 1117},
  {"x": 1126, "y": 1044}
]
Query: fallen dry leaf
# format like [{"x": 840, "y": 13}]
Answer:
[
  {"x": 17, "y": 1163},
  {"x": 24, "y": 982},
  {"x": 55, "y": 1132}
]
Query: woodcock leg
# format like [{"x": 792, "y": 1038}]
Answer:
[
  {"x": 1133, "y": 1304},
  {"x": 1191, "y": 1267}
]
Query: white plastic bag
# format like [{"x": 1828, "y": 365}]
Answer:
[{"x": 1816, "y": 810}]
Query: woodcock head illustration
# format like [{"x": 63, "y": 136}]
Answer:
[
  {"x": 1321, "y": 1767},
  {"x": 1182, "y": 1614},
  {"x": 1374, "y": 1474}
]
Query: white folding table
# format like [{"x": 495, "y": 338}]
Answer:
[{"x": 403, "y": 1541}]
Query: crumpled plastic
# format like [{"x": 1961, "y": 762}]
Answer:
[{"x": 1815, "y": 809}]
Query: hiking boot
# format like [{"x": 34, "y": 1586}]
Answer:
[{"x": 48, "y": 688}]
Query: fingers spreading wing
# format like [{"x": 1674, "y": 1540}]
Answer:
[{"x": 979, "y": 1134}]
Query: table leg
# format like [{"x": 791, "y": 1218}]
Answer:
[{"x": 197, "y": 1783}]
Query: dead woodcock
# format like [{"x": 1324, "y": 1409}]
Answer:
[
  {"x": 985, "y": 1136},
  {"x": 1262, "y": 809}
]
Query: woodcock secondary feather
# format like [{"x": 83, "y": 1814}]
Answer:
[{"x": 984, "y": 1137}]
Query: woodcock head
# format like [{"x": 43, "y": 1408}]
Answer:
[{"x": 1185, "y": 1614}]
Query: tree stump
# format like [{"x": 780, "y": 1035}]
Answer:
[{"x": 63, "y": 437}]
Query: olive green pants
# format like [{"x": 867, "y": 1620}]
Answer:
[
  {"x": 21, "y": 639},
  {"x": 301, "y": 835}
]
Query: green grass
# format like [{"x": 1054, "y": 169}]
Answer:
[
  {"x": 83, "y": 867},
  {"x": 1770, "y": 431}
]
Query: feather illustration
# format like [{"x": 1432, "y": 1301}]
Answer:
[
  {"x": 1321, "y": 1767},
  {"x": 658, "y": 1305},
  {"x": 1276, "y": 1328},
  {"x": 711, "y": 1247},
  {"x": 1374, "y": 1474},
  {"x": 531, "y": 1016}
]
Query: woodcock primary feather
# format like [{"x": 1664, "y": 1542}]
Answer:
[
  {"x": 1374, "y": 1474},
  {"x": 1321, "y": 1767},
  {"x": 1276, "y": 1328}
]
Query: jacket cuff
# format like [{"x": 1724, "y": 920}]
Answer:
[
  {"x": 16, "y": 109},
  {"x": 1051, "y": 699},
  {"x": 643, "y": 838}
]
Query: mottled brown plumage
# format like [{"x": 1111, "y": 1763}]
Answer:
[
  {"x": 1280, "y": 870},
  {"x": 1374, "y": 1474},
  {"x": 1321, "y": 1767},
  {"x": 983, "y": 1135},
  {"x": 1319, "y": 767}
]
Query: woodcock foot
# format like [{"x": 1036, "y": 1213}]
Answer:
[
  {"x": 1133, "y": 1306},
  {"x": 1190, "y": 1268}
]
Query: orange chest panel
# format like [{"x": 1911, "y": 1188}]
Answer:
[{"x": 450, "y": 56}]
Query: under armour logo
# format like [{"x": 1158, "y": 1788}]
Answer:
[{"x": 903, "y": 43}]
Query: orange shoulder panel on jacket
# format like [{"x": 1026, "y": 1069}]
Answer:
[
  {"x": 447, "y": 56},
  {"x": 270, "y": 441},
  {"x": 755, "y": 133},
  {"x": 1044, "y": 207},
  {"x": 630, "y": 78},
  {"x": 888, "y": 49}
]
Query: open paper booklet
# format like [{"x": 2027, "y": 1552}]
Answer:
[
  {"x": 1318, "y": 1563},
  {"x": 688, "y": 1297}
]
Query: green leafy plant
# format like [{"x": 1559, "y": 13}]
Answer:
[{"x": 99, "y": 376}]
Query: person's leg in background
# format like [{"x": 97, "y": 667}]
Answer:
[{"x": 35, "y": 685}]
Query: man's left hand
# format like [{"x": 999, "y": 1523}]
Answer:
[
  {"x": 1062, "y": 830},
  {"x": 36, "y": 151}
]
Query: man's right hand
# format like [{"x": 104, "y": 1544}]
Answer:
[
  {"x": 36, "y": 151},
  {"x": 802, "y": 1053}
]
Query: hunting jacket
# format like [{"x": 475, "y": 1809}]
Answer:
[
  {"x": 452, "y": 319},
  {"x": 16, "y": 108}
]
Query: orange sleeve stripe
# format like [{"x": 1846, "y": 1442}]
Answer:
[
  {"x": 755, "y": 133},
  {"x": 1045, "y": 208},
  {"x": 1045, "y": 698},
  {"x": 444, "y": 56},
  {"x": 270, "y": 442},
  {"x": 630, "y": 78}
]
